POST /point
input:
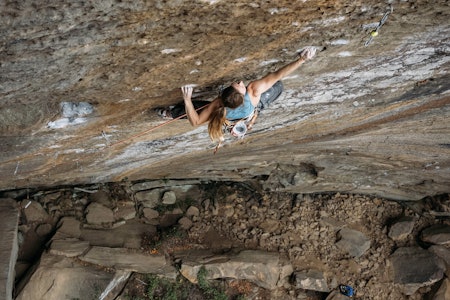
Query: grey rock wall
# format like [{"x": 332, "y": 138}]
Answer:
[{"x": 356, "y": 119}]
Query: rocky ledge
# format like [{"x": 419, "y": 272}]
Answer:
[{"x": 101, "y": 239}]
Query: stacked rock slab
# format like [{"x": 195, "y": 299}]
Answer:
[{"x": 9, "y": 220}]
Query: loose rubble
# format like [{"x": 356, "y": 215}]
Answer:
[{"x": 281, "y": 245}]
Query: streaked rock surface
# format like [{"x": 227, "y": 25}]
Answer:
[{"x": 79, "y": 84}]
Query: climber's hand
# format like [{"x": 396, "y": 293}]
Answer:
[
  {"x": 308, "y": 53},
  {"x": 187, "y": 92}
]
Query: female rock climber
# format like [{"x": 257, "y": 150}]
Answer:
[{"x": 237, "y": 102}]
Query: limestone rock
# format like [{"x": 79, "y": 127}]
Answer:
[
  {"x": 333, "y": 223},
  {"x": 352, "y": 241},
  {"x": 143, "y": 186},
  {"x": 69, "y": 226},
  {"x": 169, "y": 219},
  {"x": 34, "y": 212},
  {"x": 124, "y": 259},
  {"x": 192, "y": 211},
  {"x": 227, "y": 210},
  {"x": 311, "y": 280},
  {"x": 102, "y": 79},
  {"x": 218, "y": 243},
  {"x": 269, "y": 225},
  {"x": 265, "y": 269},
  {"x": 150, "y": 213},
  {"x": 437, "y": 234},
  {"x": 44, "y": 229},
  {"x": 51, "y": 197},
  {"x": 444, "y": 253},
  {"x": 177, "y": 211},
  {"x": 401, "y": 228},
  {"x": 444, "y": 291},
  {"x": 185, "y": 223},
  {"x": 125, "y": 211},
  {"x": 169, "y": 198},
  {"x": 149, "y": 199},
  {"x": 58, "y": 277},
  {"x": 128, "y": 235},
  {"x": 9, "y": 220},
  {"x": 414, "y": 268},
  {"x": 116, "y": 285},
  {"x": 69, "y": 247},
  {"x": 99, "y": 214},
  {"x": 101, "y": 197},
  {"x": 148, "y": 185}
]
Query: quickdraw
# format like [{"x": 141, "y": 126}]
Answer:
[{"x": 374, "y": 32}]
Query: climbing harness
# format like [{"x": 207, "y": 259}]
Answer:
[
  {"x": 374, "y": 32},
  {"x": 237, "y": 128}
]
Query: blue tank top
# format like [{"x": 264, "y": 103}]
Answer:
[{"x": 242, "y": 111}]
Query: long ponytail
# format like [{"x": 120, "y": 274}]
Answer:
[
  {"x": 231, "y": 98},
  {"x": 216, "y": 121}
]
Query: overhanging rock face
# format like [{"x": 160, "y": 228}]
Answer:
[{"x": 360, "y": 119}]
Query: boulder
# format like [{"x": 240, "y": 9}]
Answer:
[
  {"x": 101, "y": 197},
  {"x": 183, "y": 185},
  {"x": 150, "y": 198},
  {"x": 401, "y": 228},
  {"x": 43, "y": 229},
  {"x": 269, "y": 225},
  {"x": 126, "y": 259},
  {"x": 69, "y": 247},
  {"x": 116, "y": 285},
  {"x": 444, "y": 253},
  {"x": 9, "y": 222},
  {"x": 50, "y": 197},
  {"x": 169, "y": 219},
  {"x": 265, "y": 269},
  {"x": 333, "y": 223},
  {"x": 444, "y": 291},
  {"x": 59, "y": 277},
  {"x": 414, "y": 267},
  {"x": 99, "y": 214},
  {"x": 69, "y": 226},
  {"x": 354, "y": 242},
  {"x": 34, "y": 212},
  {"x": 169, "y": 198},
  {"x": 436, "y": 234},
  {"x": 185, "y": 223},
  {"x": 311, "y": 280},
  {"x": 150, "y": 213},
  {"x": 125, "y": 211},
  {"x": 128, "y": 235},
  {"x": 192, "y": 211}
]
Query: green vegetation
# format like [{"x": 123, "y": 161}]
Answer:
[
  {"x": 207, "y": 288},
  {"x": 159, "y": 288},
  {"x": 163, "y": 289}
]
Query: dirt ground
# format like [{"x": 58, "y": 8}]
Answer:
[
  {"x": 240, "y": 215},
  {"x": 303, "y": 228}
]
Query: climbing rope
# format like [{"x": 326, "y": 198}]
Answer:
[{"x": 152, "y": 128}]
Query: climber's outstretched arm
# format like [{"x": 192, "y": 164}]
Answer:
[{"x": 257, "y": 87}]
